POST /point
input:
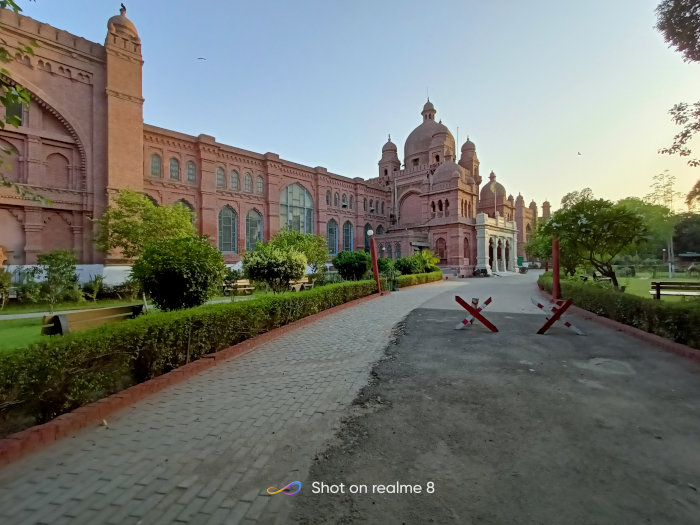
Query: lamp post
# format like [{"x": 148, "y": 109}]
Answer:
[{"x": 373, "y": 253}]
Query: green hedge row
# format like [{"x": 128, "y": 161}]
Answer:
[
  {"x": 66, "y": 372},
  {"x": 419, "y": 278},
  {"x": 679, "y": 322}
]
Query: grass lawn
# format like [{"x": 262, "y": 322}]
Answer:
[
  {"x": 85, "y": 305},
  {"x": 641, "y": 284},
  {"x": 18, "y": 333}
]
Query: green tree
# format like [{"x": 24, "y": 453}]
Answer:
[
  {"x": 314, "y": 247},
  {"x": 134, "y": 220},
  {"x": 693, "y": 196},
  {"x": 598, "y": 230},
  {"x": 540, "y": 247},
  {"x": 5, "y": 283},
  {"x": 662, "y": 190},
  {"x": 179, "y": 273},
  {"x": 687, "y": 233},
  {"x": 428, "y": 259},
  {"x": 60, "y": 278},
  {"x": 274, "y": 265},
  {"x": 352, "y": 266},
  {"x": 573, "y": 197},
  {"x": 659, "y": 223}
]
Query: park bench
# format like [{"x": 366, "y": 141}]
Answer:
[
  {"x": 678, "y": 288},
  {"x": 61, "y": 324},
  {"x": 302, "y": 284},
  {"x": 239, "y": 287}
]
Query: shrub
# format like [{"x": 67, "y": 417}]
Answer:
[
  {"x": 420, "y": 278},
  {"x": 679, "y": 322},
  {"x": 92, "y": 288},
  {"x": 40, "y": 381},
  {"x": 352, "y": 265},
  {"x": 274, "y": 266},
  {"x": 179, "y": 273},
  {"x": 314, "y": 247},
  {"x": 385, "y": 265},
  {"x": 410, "y": 265},
  {"x": 60, "y": 277},
  {"x": 5, "y": 283}
]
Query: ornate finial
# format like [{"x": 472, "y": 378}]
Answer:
[
  {"x": 123, "y": 10},
  {"x": 389, "y": 137}
]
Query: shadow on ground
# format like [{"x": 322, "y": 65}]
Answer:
[{"x": 515, "y": 427}]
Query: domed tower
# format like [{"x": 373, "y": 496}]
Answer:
[
  {"x": 492, "y": 197},
  {"x": 124, "y": 134},
  {"x": 546, "y": 210},
  {"x": 470, "y": 161},
  {"x": 389, "y": 162},
  {"x": 429, "y": 143}
]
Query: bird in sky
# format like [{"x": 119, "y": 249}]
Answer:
[
  {"x": 202, "y": 58},
  {"x": 579, "y": 152}
]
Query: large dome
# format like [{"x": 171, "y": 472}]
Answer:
[
  {"x": 447, "y": 171},
  {"x": 421, "y": 139},
  {"x": 486, "y": 193}
]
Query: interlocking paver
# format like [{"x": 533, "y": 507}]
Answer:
[{"x": 210, "y": 446}]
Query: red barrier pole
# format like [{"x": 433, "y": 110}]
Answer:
[
  {"x": 556, "y": 289},
  {"x": 375, "y": 268}
]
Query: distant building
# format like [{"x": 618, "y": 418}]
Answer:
[{"x": 83, "y": 138}]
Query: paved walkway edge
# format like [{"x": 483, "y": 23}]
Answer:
[
  {"x": 665, "y": 344},
  {"x": 22, "y": 443}
]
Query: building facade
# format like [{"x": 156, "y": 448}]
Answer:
[{"x": 82, "y": 139}]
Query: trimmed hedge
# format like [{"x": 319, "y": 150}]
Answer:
[
  {"x": 679, "y": 322},
  {"x": 66, "y": 372},
  {"x": 419, "y": 278}
]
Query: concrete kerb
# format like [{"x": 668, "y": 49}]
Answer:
[
  {"x": 22, "y": 443},
  {"x": 653, "y": 339}
]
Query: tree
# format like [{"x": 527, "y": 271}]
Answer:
[
  {"x": 679, "y": 22},
  {"x": 574, "y": 197},
  {"x": 429, "y": 260},
  {"x": 314, "y": 247},
  {"x": 662, "y": 192},
  {"x": 659, "y": 222},
  {"x": 687, "y": 233},
  {"x": 352, "y": 266},
  {"x": 60, "y": 277},
  {"x": 180, "y": 273},
  {"x": 134, "y": 220},
  {"x": 693, "y": 196},
  {"x": 275, "y": 266},
  {"x": 540, "y": 247},
  {"x": 598, "y": 230}
]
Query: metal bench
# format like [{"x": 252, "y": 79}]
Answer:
[
  {"x": 61, "y": 324},
  {"x": 677, "y": 288}
]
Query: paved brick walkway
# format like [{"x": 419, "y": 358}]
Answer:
[{"x": 205, "y": 450}]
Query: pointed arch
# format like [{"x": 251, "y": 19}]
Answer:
[{"x": 228, "y": 230}]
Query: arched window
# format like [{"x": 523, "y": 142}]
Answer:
[
  {"x": 347, "y": 237},
  {"x": 371, "y": 206},
  {"x": 248, "y": 183},
  {"x": 328, "y": 197},
  {"x": 380, "y": 229},
  {"x": 447, "y": 206},
  {"x": 228, "y": 230},
  {"x": 382, "y": 207},
  {"x": 296, "y": 209},
  {"x": 439, "y": 205},
  {"x": 364, "y": 204},
  {"x": 220, "y": 178},
  {"x": 260, "y": 185},
  {"x": 187, "y": 205},
  {"x": 398, "y": 250},
  {"x": 191, "y": 173},
  {"x": 368, "y": 227},
  {"x": 174, "y": 169},
  {"x": 432, "y": 206},
  {"x": 253, "y": 229},
  {"x": 352, "y": 202},
  {"x": 336, "y": 200},
  {"x": 332, "y": 236},
  {"x": 235, "y": 181},
  {"x": 155, "y": 166},
  {"x": 388, "y": 251},
  {"x": 345, "y": 201}
]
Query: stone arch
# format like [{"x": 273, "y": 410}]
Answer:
[
  {"x": 57, "y": 173},
  {"x": 410, "y": 205},
  {"x": 441, "y": 249}
]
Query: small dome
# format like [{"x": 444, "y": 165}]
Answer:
[
  {"x": 546, "y": 203},
  {"x": 519, "y": 199},
  {"x": 447, "y": 171},
  {"x": 510, "y": 197},
  {"x": 389, "y": 146},
  {"x": 121, "y": 25},
  {"x": 468, "y": 146},
  {"x": 487, "y": 192},
  {"x": 428, "y": 106},
  {"x": 533, "y": 204}
]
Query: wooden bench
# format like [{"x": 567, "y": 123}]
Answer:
[
  {"x": 302, "y": 284},
  {"x": 61, "y": 324},
  {"x": 678, "y": 288},
  {"x": 239, "y": 287}
]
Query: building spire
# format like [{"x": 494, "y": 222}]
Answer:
[{"x": 122, "y": 11}]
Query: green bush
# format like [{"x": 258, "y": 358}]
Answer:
[
  {"x": 60, "y": 278},
  {"x": 679, "y": 322},
  {"x": 420, "y": 278},
  {"x": 385, "y": 265},
  {"x": 314, "y": 247},
  {"x": 5, "y": 283},
  {"x": 63, "y": 373},
  {"x": 352, "y": 266},
  {"x": 274, "y": 266},
  {"x": 411, "y": 264},
  {"x": 179, "y": 273}
]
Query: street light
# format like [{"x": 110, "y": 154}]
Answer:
[{"x": 373, "y": 252}]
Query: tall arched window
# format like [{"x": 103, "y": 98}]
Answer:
[
  {"x": 371, "y": 206},
  {"x": 253, "y": 229},
  {"x": 364, "y": 204},
  {"x": 235, "y": 181},
  {"x": 347, "y": 237},
  {"x": 336, "y": 200},
  {"x": 398, "y": 250},
  {"x": 388, "y": 251},
  {"x": 332, "y": 236},
  {"x": 174, "y": 169},
  {"x": 220, "y": 178},
  {"x": 228, "y": 230},
  {"x": 296, "y": 209},
  {"x": 368, "y": 227},
  {"x": 380, "y": 229},
  {"x": 344, "y": 201},
  {"x": 155, "y": 166},
  {"x": 352, "y": 202},
  {"x": 328, "y": 197},
  {"x": 382, "y": 207},
  {"x": 191, "y": 173},
  {"x": 260, "y": 185},
  {"x": 440, "y": 205},
  {"x": 248, "y": 183}
]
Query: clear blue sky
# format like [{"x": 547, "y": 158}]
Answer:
[{"x": 323, "y": 82}]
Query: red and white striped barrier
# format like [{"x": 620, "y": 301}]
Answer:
[
  {"x": 557, "y": 308},
  {"x": 475, "y": 313}
]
